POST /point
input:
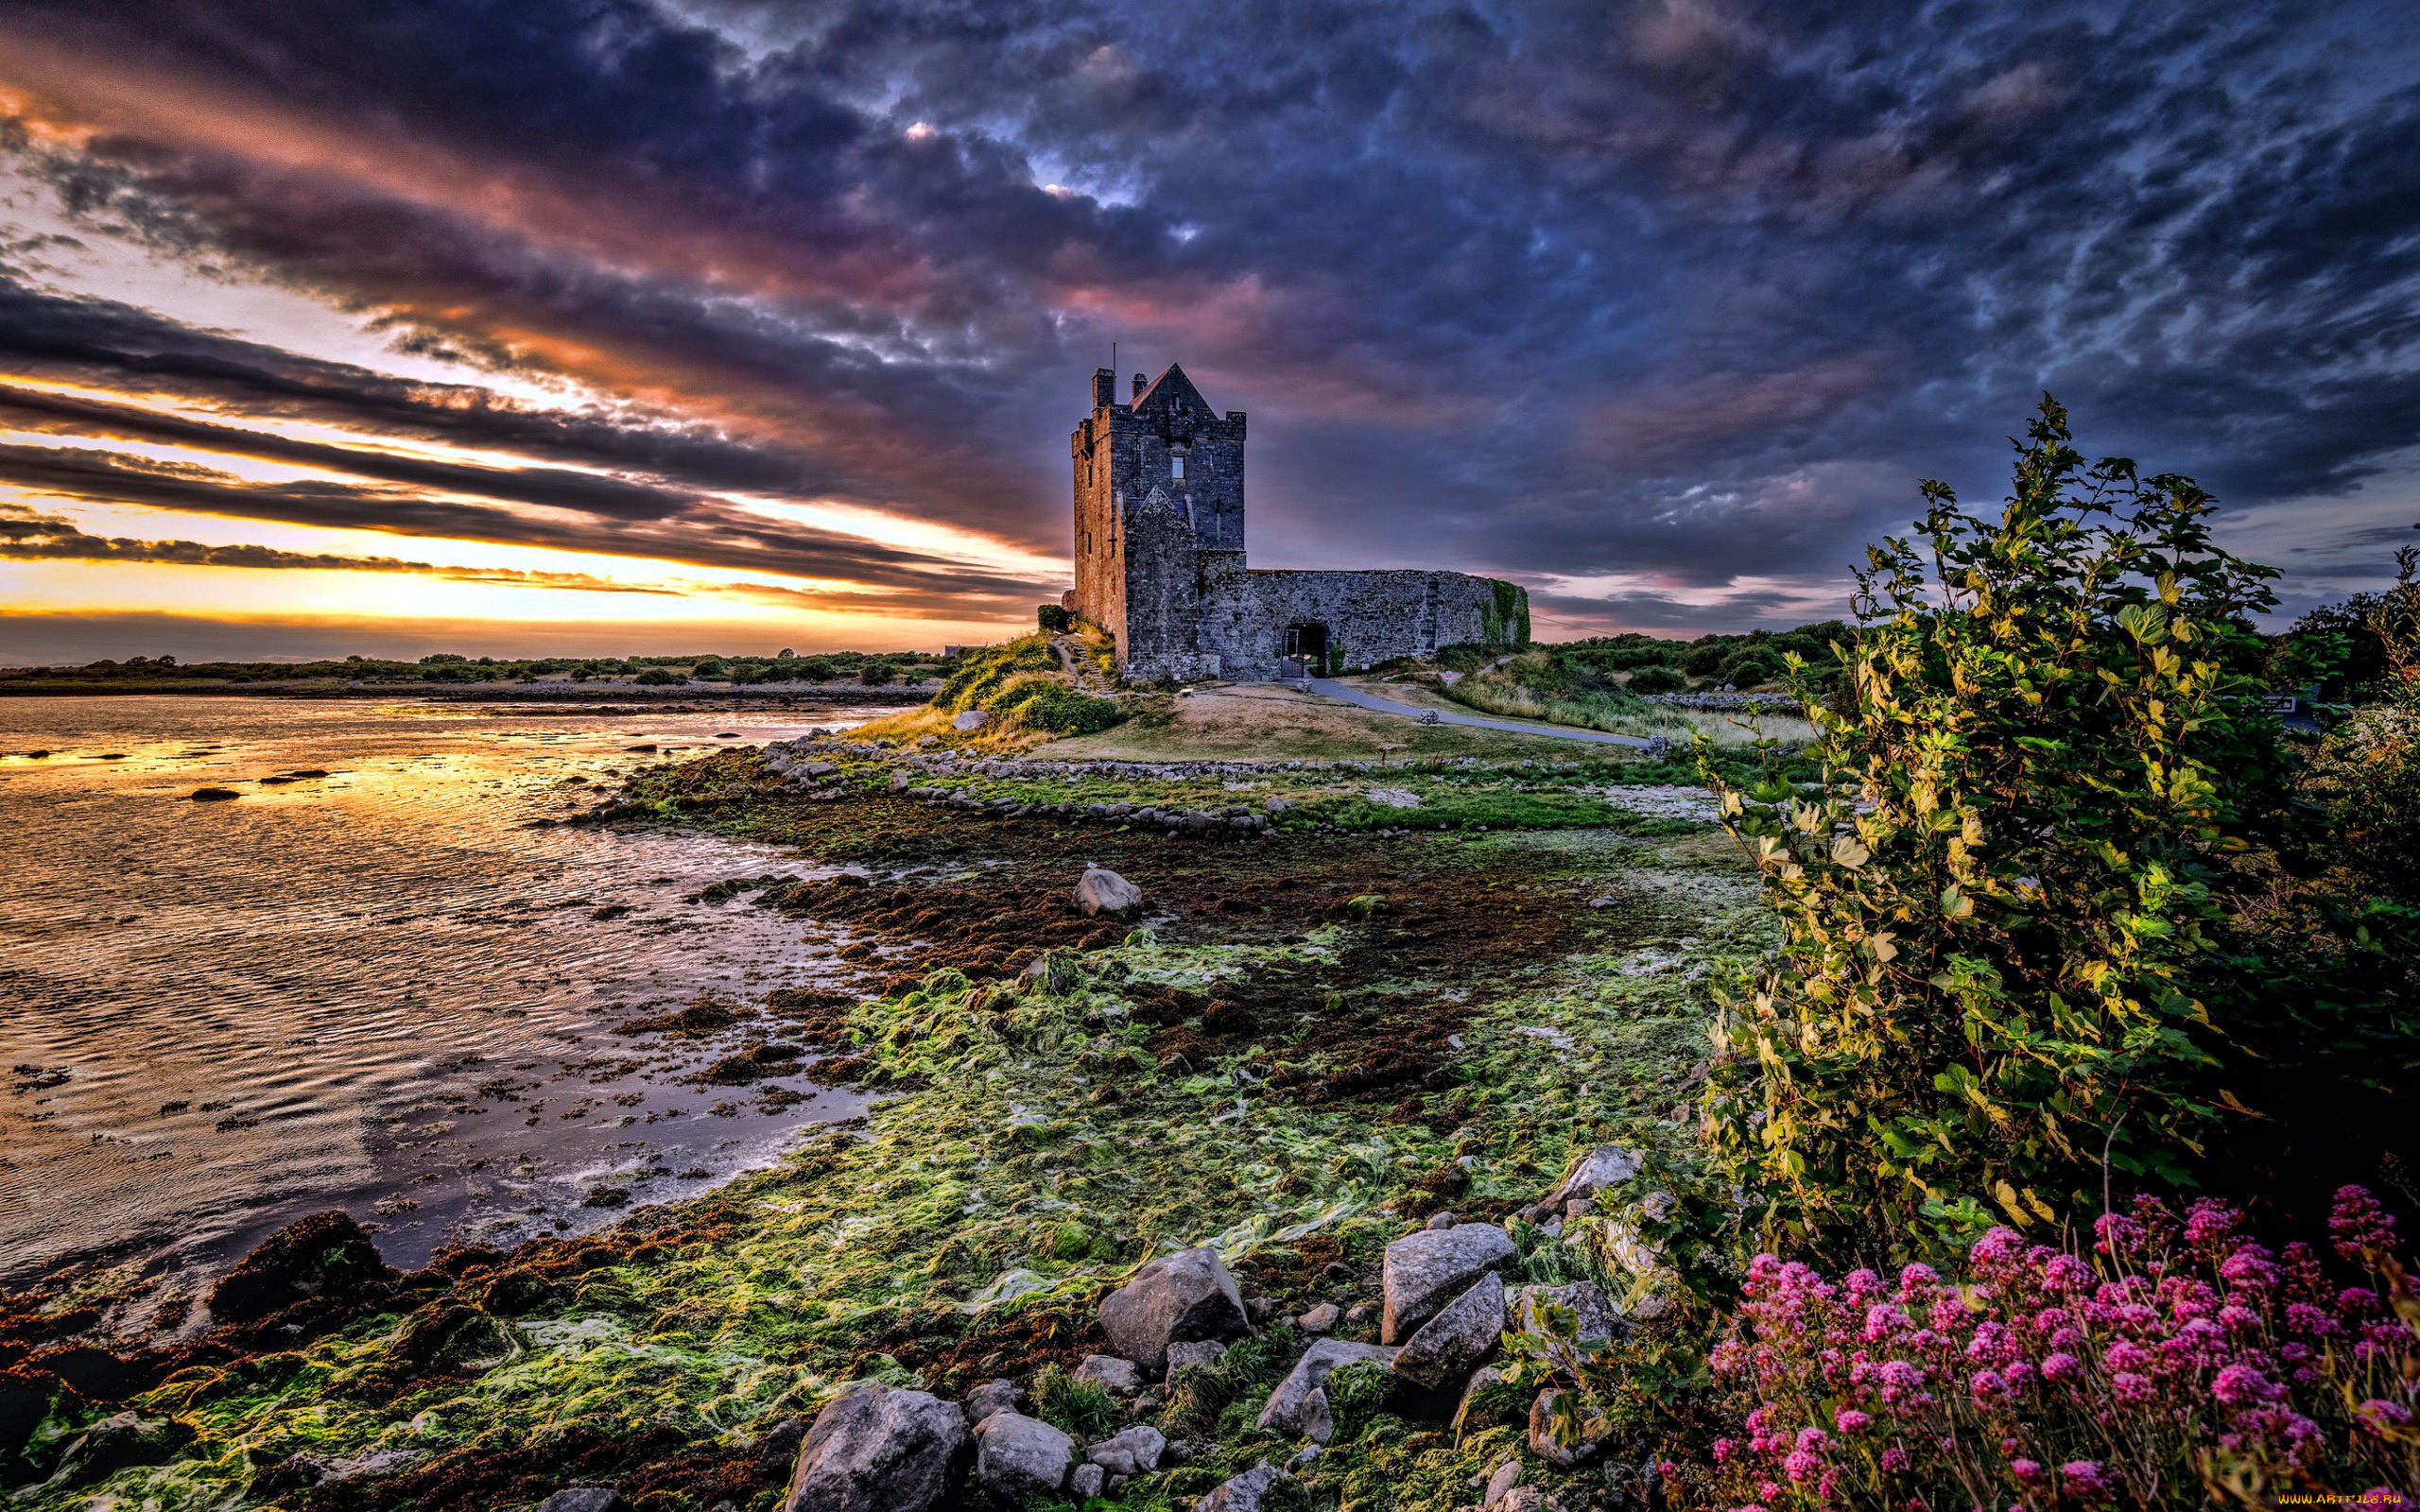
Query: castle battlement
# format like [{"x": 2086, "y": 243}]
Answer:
[{"x": 1159, "y": 491}]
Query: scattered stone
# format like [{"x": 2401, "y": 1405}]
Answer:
[
  {"x": 1321, "y": 1319},
  {"x": 212, "y": 794},
  {"x": 1290, "y": 1406},
  {"x": 1105, "y": 892},
  {"x": 1146, "y": 1405},
  {"x": 1358, "y": 1313},
  {"x": 1440, "y": 1220},
  {"x": 1317, "y": 1416},
  {"x": 1260, "y": 1308},
  {"x": 1135, "y": 1451},
  {"x": 878, "y": 1448},
  {"x": 991, "y": 1396},
  {"x": 1245, "y": 1493},
  {"x": 1086, "y": 1482},
  {"x": 1338, "y": 1270},
  {"x": 1458, "y": 1338},
  {"x": 1507, "y": 1476},
  {"x": 1020, "y": 1457},
  {"x": 1542, "y": 1434},
  {"x": 1119, "y": 1378},
  {"x": 1604, "y": 1166},
  {"x": 1481, "y": 1379},
  {"x": 972, "y": 719},
  {"x": 1178, "y": 1299},
  {"x": 1527, "y": 1499},
  {"x": 585, "y": 1499},
  {"x": 1424, "y": 1270},
  {"x": 1597, "y": 1316},
  {"x": 778, "y": 1446},
  {"x": 1393, "y": 798},
  {"x": 1202, "y": 1352}
]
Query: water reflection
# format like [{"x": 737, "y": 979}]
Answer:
[{"x": 370, "y": 989}]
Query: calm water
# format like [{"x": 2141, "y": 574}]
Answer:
[{"x": 369, "y": 990}]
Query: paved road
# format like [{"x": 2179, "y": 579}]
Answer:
[{"x": 1386, "y": 706}]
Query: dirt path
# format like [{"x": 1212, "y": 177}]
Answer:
[{"x": 1367, "y": 700}]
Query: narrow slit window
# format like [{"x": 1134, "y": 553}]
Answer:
[{"x": 1176, "y": 465}]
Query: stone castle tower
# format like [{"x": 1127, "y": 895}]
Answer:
[{"x": 1159, "y": 488}]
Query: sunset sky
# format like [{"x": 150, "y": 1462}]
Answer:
[{"x": 549, "y": 326}]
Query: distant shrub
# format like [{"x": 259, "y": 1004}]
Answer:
[
  {"x": 1657, "y": 677},
  {"x": 660, "y": 678},
  {"x": 1054, "y": 619}
]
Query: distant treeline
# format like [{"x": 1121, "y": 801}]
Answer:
[{"x": 872, "y": 668}]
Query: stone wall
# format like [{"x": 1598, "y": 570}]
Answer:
[{"x": 1368, "y": 617}]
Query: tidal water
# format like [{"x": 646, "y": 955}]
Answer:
[{"x": 372, "y": 991}]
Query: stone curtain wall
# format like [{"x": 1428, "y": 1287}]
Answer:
[{"x": 1369, "y": 616}]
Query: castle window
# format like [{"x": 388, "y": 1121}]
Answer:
[{"x": 1176, "y": 465}]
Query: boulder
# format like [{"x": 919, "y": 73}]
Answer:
[
  {"x": 1599, "y": 1318},
  {"x": 1499, "y": 1484},
  {"x": 1135, "y": 1451},
  {"x": 1541, "y": 1442},
  {"x": 1481, "y": 1379},
  {"x": 1604, "y": 1166},
  {"x": 1424, "y": 1270},
  {"x": 1085, "y": 1482},
  {"x": 777, "y": 1446},
  {"x": 1245, "y": 1493},
  {"x": 1290, "y": 1408},
  {"x": 972, "y": 719},
  {"x": 1020, "y": 1457},
  {"x": 1105, "y": 892},
  {"x": 1462, "y": 1334},
  {"x": 585, "y": 1499},
  {"x": 991, "y": 1396},
  {"x": 117, "y": 1443},
  {"x": 1178, "y": 1299},
  {"x": 1203, "y": 1352},
  {"x": 878, "y": 1448},
  {"x": 1119, "y": 1378},
  {"x": 324, "y": 1255}
]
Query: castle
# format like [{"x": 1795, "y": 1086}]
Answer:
[{"x": 1160, "y": 560}]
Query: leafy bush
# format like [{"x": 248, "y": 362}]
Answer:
[
  {"x": 1657, "y": 677},
  {"x": 2176, "y": 1359},
  {"x": 2003, "y": 922},
  {"x": 1047, "y": 703},
  {"x": 659, "y": 677},
  {"x": 1054, "y": 619}
]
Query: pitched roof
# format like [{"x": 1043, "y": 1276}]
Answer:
[{"x": 1173, "y": 390}]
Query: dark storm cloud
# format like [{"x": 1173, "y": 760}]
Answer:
[{"x": 1675, "y": 290}]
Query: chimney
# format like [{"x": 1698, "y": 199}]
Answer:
[
  {"x": 1104, "y": 387},
  {"x": 1141, "y": 383}
]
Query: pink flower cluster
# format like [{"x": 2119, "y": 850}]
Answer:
[{"x": 2177, "y": 1352}]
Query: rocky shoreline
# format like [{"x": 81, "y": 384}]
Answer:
[{"x": 1306, "y": 1039}]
